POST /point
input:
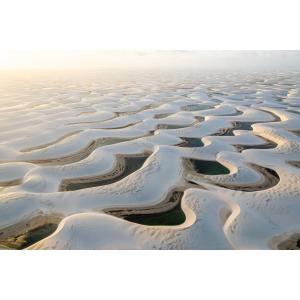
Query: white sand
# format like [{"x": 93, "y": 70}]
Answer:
[{"x": 53, "y": 130}]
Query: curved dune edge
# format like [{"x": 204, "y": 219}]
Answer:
[
  {"x": 60, "y": 139},
  {"x": 80, "y": 155},
  {"x": 40, "y": 220},
  {"x": 162, "y": 207},
  {"x": 139, "y": 236},
  {"x": 117, "y": 171},
  {"x": 268, "y": 180},
  {"x": 123, "y": 226}
]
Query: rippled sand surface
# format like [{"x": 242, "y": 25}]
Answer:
[{"x": 150, "y": 160}]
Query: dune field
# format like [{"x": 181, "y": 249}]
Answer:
[{"x": 150, "y": 160}]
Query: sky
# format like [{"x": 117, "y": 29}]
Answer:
[
  {"x": 166, "y": 59},
  {"x": 51, "y": 32}
]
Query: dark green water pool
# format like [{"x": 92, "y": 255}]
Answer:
[
  {"x": 166, "y": 213},
  {"x": 175, "y": 216},
  {"x": 208, "y": 167}
]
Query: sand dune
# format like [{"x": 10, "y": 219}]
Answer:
[{"x": 92, "y": 162}]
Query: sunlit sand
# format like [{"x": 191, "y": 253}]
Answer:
[{"x": 150, "y": 160}]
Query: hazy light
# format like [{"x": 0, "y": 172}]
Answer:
[{"x": 66, "y": 25}]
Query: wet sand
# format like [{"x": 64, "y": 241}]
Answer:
[{"x": 26, "y": 233}]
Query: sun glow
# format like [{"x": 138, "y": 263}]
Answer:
[{"x": 61, "y": 26}]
